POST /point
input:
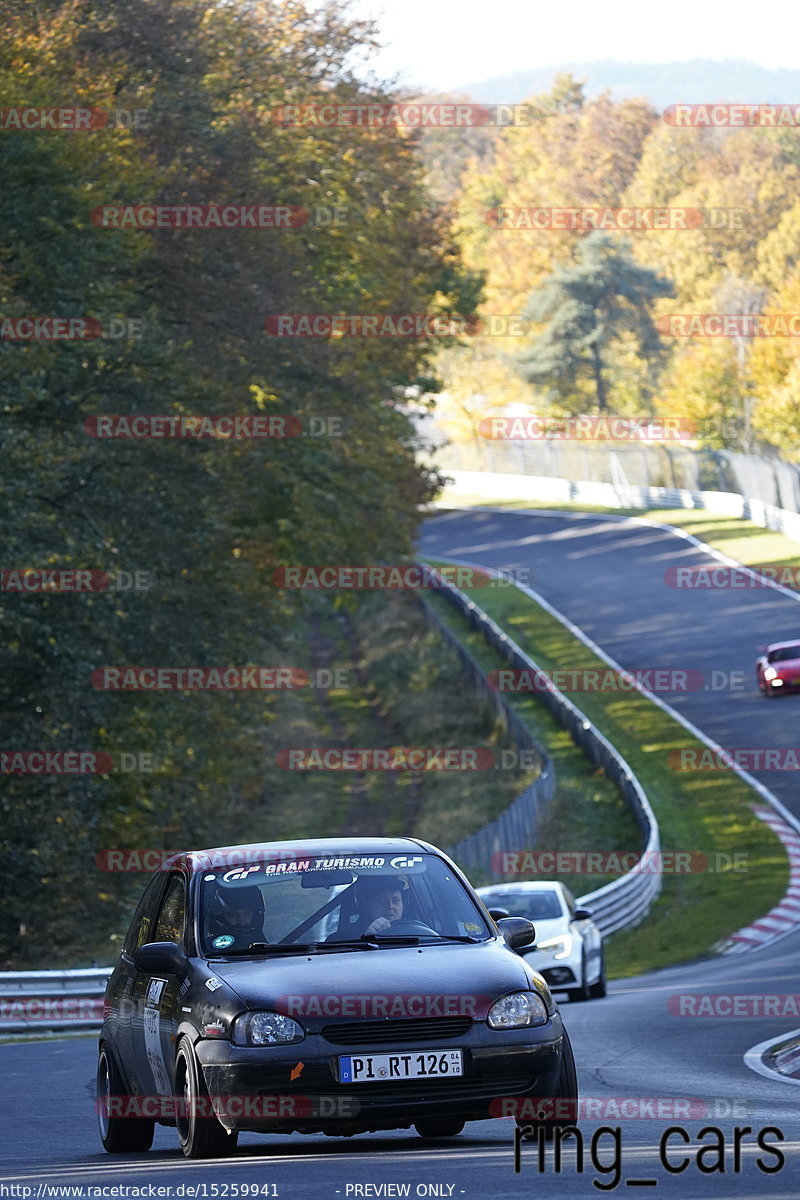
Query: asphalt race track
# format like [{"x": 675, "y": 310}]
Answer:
[
  {"x": 643, "y": 1049},
  {"x": 608, "y": 577},
  {"x": 633, "y": 1044}
]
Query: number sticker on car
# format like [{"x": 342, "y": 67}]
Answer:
[{"x": 414, "y": 1064}]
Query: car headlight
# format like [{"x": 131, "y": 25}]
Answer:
[
  {"x": 561, "y": 945},
  {"x": 770, "y": 673},
  {"x": 265, "y": 1029},
  {"x": 517, "y": 1010}
]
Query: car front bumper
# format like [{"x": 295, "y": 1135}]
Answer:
[{"x": 288, "y": 1088}]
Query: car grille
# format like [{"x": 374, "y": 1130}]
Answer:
[
  {"x": 361, "y": 1033},
  {"x": 410, "y": 1091}
]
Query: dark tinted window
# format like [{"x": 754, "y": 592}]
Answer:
[
  {"x": 144, "y": 918},
  {"x": 784, "y": 654},
  {"x": 172, "y": 917}
]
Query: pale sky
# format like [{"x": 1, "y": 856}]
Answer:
[{"x": 445, "y": 43}]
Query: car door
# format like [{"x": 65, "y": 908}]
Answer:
[
  {"x": 156, "y": 999},
  {"x": 120, "y": 993}
]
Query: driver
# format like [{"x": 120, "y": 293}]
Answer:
[
  {"x": 237, "y": 919},
  {"x": 380, "y": 903}
]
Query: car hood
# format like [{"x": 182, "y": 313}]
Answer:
[
  {"x": 549, "y": 929},
  {"x": 482, "y": 972}
]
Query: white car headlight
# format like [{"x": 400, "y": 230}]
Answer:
[
  {"x": 517, "y": 1010},
  {"x": 770, "y": 673},
  {"x": 265, "y": 1029},
  {"x": 561, "y": 945}
]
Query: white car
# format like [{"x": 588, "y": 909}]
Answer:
[{"x": 569, "y": 946}]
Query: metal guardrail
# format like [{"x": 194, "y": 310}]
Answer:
[
  {"x": 769, "y": 483},
  {"x": 31, "y": 1000},
  {"x": 624, "y": 901},
  {"x": 506, "y": 486},
  {"x": 517, "y": 825}
]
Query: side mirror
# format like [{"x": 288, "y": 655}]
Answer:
[
  {"x": 582, "y": 914},
  {"x": 498, "y": 913},
  {"x": 160, "y": 958},
  {"x": 518, "y": 931}
]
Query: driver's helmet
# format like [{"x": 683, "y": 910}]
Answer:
[{"x": 238, "y": 913}]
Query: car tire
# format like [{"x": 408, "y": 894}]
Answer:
[
  {"x": 584, "y": 992},
  {"x": 566, "y": 1093},
  {"x": 599, "y": 989},
  {"x": 119, "y": 1134},
  {"x": 439, "y": 1127},
  {"x": 200, "y": 1133}
]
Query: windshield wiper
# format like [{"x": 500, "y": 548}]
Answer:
[
  {"x": 460, "y": 937},
  {"x": 267, "y": 948},
  {"x": 396, "y": 939},
  {"x": 371, "y": 941},
  {"x": 367, "y": 941}
]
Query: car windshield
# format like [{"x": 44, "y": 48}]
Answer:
[
  {"x": 536, "y": 906},
  {"x": 309, "y": 900},
  {"x": 784, "y": 653}
]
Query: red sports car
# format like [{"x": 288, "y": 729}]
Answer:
[{"x": 778, "y": 669}]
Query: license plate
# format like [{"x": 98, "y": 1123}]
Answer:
[{"x": 412, "y": 1064}]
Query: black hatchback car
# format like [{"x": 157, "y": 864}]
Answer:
[{"x": 336, "y": 986}]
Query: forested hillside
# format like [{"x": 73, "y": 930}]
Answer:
[
  {"x": 188, "y": 91},
  {"x": 711, "y": 209}
]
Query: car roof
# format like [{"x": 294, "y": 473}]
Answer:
[
  {"x": 333, "y": 847},
  {"x": 523, "y": 886},
  {"x": 783, "y": 645}
]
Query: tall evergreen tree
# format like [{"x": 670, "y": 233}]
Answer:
[{"x": 588, "y": 306}]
